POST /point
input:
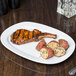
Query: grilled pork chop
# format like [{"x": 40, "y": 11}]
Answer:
[{"x": 22, "y": 36}]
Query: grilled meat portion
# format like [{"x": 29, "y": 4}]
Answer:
[{"x": 22, "y": 36}]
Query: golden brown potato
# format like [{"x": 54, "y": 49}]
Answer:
[
  {"x": 46, "y": 53},
  {"x": 59, "y": 51},
  {"x": 53, "y": 44}
]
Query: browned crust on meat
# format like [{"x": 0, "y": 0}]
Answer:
[{"x": 22, "y": 36}]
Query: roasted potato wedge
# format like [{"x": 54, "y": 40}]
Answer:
[
  {"x": 46, "y": 53},
  {"x": 63, "y": 43},
  {"x": 59, "y": 51},
  {"x": 53, "y": 44},
  {"x": 41, "y": 44}
]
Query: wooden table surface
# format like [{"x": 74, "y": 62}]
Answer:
[{"x": 41, "y": 11}]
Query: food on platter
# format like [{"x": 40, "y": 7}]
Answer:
[
  {"x": 59, "y": 51},
  {"x": 46, "y": 53},
  {"x": 63, "y": 43},
  {"x": 41, "y": 44},
  {"x": 22, "y": 36},
  {"x": 53, "y": 48},
  {"x": 53, "y": 44}
]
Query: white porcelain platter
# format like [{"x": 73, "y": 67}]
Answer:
[{"x": 28, "y": 50}]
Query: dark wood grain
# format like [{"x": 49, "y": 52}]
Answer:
[{"x": 41, "y": 11}]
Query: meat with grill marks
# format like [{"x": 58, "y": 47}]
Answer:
[{"x": 22, "y": 36}]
